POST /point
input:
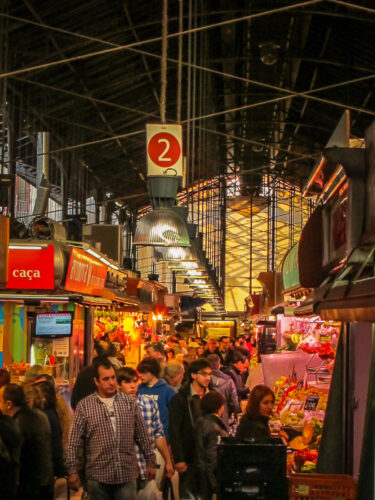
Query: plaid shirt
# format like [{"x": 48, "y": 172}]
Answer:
[
  {"x": 151, "y": 416},
  {"x": 110, "y": 458}
]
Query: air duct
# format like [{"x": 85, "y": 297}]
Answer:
[{"x": 42, "y": 174}]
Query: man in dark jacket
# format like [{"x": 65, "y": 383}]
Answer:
[
  {"x": 36, "y": 471},
  {"x": 10, "y": 447},
  {"x": 223, "y": 384},
  {"x": 184, "y": 411},
  {"x": 236, "y": 368},
  {"x": 212, "y": 348},
  {"x": 85, "y": 385}
]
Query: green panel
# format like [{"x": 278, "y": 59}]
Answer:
[
  {"x": 18, "y": 336},
  {"x": 290, "y": 271}
]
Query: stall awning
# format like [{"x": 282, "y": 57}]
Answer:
[{"x": 350, "y": 295}]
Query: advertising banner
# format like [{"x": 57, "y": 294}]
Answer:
[{"x": 85, "y": 274}]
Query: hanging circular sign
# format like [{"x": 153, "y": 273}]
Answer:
[{"x": 164, "y": 149}]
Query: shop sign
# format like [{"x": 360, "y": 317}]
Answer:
[
  {"x": 60, "y": 347},
  {"x": 290, "y": 270},
  {"x": 164, "y": 150},
  {"x": 85, "y": 274},
  {"x": 31, "y": 268}
]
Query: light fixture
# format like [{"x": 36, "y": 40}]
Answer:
[
  {"x": 171, "y": 254},
  {"x": 183, "y": 266},
  {"x": 198, "y": 281},
  {"x": 101, "y": 258},
  {"x": 162, "y": 227},
  {"x": 94, "y": 254},
  {"x": 25, "y": 247}
]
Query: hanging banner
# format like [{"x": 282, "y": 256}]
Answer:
[
  {"x": 31, "y": 268},
  {"x": 164, "y": 150},
  {"x": 290, "y": 271},
  {"x": 85, "y": 274}
]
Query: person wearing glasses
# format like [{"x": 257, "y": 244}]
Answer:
[{"x": 184, "y": 411}]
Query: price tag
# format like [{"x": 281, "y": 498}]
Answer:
[
  {"x": 311, "y": 402},
  {"x": 325, "y": 338}
]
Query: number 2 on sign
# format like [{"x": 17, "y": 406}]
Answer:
[{"x": 167, "y": 146}]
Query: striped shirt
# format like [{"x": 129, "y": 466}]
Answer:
[
  {"x": 110, "y": 457},
  {"x": 151, "y": 416}
]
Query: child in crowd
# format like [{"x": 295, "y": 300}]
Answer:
[{"x": 209, "y": 431}]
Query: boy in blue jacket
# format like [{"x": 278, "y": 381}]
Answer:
[{"x": 155, "y": 388}]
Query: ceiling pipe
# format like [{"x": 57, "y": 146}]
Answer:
[{"x": 42, "y": 174}]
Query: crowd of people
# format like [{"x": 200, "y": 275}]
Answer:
[{"x": 160, "y": 423}]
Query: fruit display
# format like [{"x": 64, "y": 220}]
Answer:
[
  {"x": 310, "y": 345},
  {"x": 298, "y": 424},
  {"x": 19, "y": 368},
  {"x": 105, "y": 322}
]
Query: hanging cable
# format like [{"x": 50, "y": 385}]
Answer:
[
  {"x": 179, "y": 67},
  {"x": 164, "y": 48}
]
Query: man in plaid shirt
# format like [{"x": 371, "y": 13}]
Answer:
[
  {"x": 110, "y": 422},
  {"x": 127, "y": 380}
]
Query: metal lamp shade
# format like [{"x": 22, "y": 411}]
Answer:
[
  {"x": 172, "y": 254},
  {"x": 162, "y": 228}
]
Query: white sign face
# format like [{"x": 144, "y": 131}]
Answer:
[
  {"x": 164, "y": 149},
  {"x": 60, "y": 347}
]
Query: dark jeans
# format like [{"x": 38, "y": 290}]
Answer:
[
  {"x": 188, "y": 483},
  {"x": 101, "y": 491}
]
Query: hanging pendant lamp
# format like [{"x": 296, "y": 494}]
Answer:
[
  {"x": 173, "y": 254},
  {"x": 162, "y": 228}
]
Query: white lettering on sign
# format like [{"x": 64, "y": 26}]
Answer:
[
  {"x": 83, "y": 272},
  {"x": 26, "y": 273},
  {"x": 167, "y": 145}
]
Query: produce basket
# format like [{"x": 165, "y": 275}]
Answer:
[{"x": 321, "y": 487}]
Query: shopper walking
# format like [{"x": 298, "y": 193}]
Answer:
[
  {"x": 174, "y": 372},
  {"x": 36, "y": 471},
  {"x": 85, "y": 384},
  {"x": 212, "y": 348},
  {"x": 185, "y": 409},
  {"x": 44, "y": 398},
  {"x": 255, "y": 423},
  {"x": 209, "y": 430},
  {"x": 127, "y": 380},
  {"x": 155, "y": 388},
  {"x": 235, "y": 370},
  {"x": 110, "y": 422},
  {"x": 10, "y": 449},
  {"x": 223, "y": 384}
]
